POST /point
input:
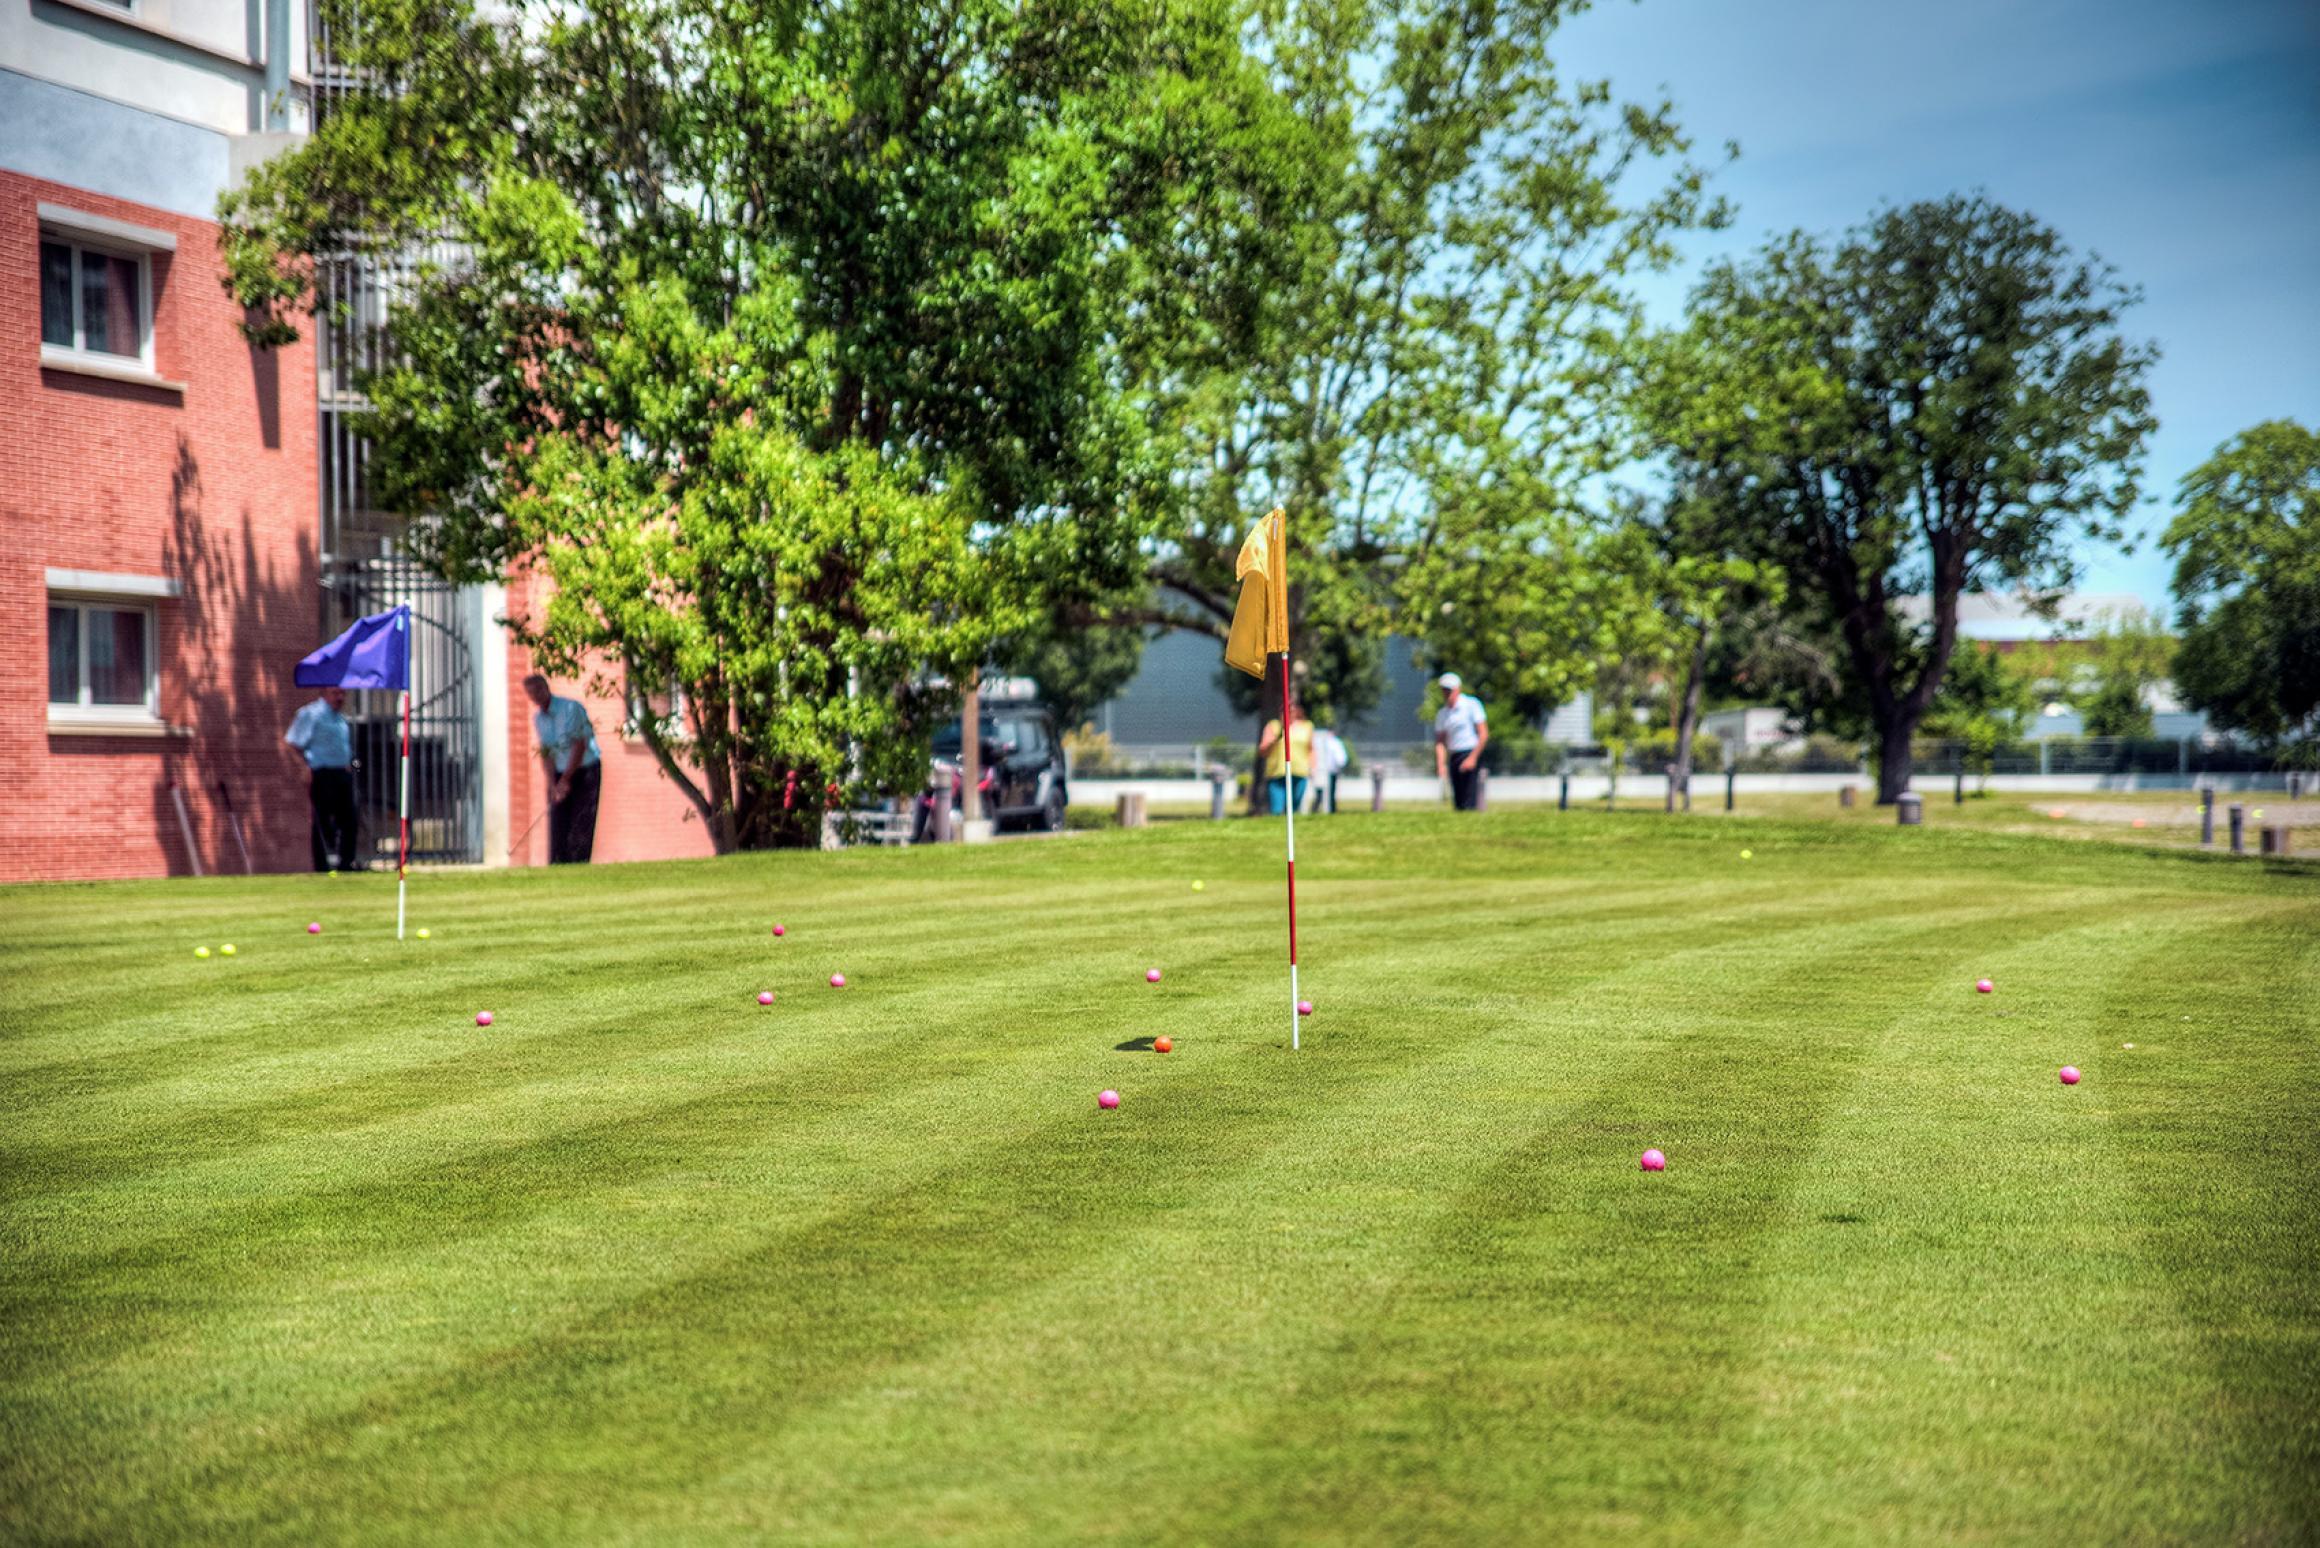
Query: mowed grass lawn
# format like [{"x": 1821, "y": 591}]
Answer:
[{"x": 294, "y": 1252}]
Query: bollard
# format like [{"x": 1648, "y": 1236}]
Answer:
[
  {"x": 1958, "y": 797},
  {"x": 1671, "y": 789},
  {"x": 1130, "y": 808},
  {"x": 1216, "y": 795},
  {"x": 1377, "y": 787},
  {"x": 2274, "y": 839},
  {"x": 1482, "y": 790},
  {"x": 1909, "y": 810},
  {"x": 1563, "y": 795},
  {"x": 2238, "y": 825},
  {"x": 2207, "y": 816},
  {"x": 1730, "y": 776},
  {"x": 1845, "y": 796}
]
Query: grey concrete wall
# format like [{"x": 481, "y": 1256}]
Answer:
[{"x": 67, "y": 136}]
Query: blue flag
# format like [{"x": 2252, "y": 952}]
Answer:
[{"x": 375, "y": 653}]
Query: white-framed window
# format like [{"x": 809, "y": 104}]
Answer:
[
  {"x": 95, "y": 300},
  {"x": 101, "y": 661}
]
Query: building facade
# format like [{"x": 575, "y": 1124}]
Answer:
[{"x": 184, "y": 512}]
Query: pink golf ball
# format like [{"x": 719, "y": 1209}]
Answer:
[
  {"x": 1151, "y": 975},
  {"x": 1107, "y": 1100},
  {"x": 1304, "y": 1007},
  {"x": 837, "y": 980},
  {"x": 1984, "y": 987},
  {"x": 765, "y": 996},
  {"x": 314, "y": 929},
  {"x": 778, "y": 930},
  {"x": 2070, "y": 1074},
  {"x": 483, "y": 1018},
  {"x": 1653, "y": 1161}
]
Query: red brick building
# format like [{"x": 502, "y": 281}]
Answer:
[{"x": 183, "y": 512}]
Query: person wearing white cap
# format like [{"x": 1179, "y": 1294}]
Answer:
[{"x": 1461, "y": 731}]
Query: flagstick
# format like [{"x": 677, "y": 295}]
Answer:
[
  {"x": 1289, "y": 770},
  {"x": 403, "y": 819}
]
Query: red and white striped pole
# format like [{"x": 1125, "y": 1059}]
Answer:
[{"x": 1289, "y": 770}]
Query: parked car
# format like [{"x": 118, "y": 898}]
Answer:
[{"x": 1024, "y": 778}]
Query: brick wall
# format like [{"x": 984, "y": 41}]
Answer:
[
  {"x": 641, "y": 815},
  {"x": 213, "y": 487}
]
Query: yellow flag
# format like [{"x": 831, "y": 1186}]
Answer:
[{"x": 1260, "y": 625}]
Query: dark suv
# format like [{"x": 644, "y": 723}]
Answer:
[{"x": 1023, "y": 769}]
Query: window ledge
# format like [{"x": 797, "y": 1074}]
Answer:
[
  {"x": 111, "y": 370},
  {"x": 64, "y": 721}
]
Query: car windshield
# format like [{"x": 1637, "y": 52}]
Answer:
[
  {"x": 1015, "y": 733},
  {"x": 946, "y": 741}
]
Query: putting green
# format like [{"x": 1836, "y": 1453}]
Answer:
[{"x": 294, "y": 1251}]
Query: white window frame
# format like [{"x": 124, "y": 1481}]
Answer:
[
  {"x": 81, "y": 232},
  {"x": 79, "y": 716}
]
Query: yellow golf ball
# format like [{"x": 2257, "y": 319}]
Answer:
[
  {"x": 226, "y": 950},
  {"x": 1200, "y": 886},
  {"x": 201, "y": 951},
  {"x": 422, "y": 934},
  {"x": 1747, "y": 854},
  {"x": 2259, "y": 814}
]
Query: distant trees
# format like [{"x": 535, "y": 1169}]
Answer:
[
  {"x": 1935, "y": 403},
  {"x": 1430, "y": 378},
  {"x": 2246, "y": 542}
]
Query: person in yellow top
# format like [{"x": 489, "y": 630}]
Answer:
[{"x": 1281, "y": 772}]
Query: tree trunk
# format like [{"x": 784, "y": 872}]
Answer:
[
  {"x": 1893, "y": 758},
  {"x": 1688, "y": 712}
]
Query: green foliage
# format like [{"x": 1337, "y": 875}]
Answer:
[
  {"x": 1428, "y": 369},
  {"x": 2246, "y": 543},
  {"x": 1654, "y": 749},
  {"x": 1079, "y": 667},
  {"x": 1937, "y": 403},
  {"x": 1986, "y": 700},
  {"x": 829, "y": 310},
  {"x": 2129, "y": 654}
]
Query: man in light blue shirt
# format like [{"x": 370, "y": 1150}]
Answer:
[
  {"x": 1461, "y": 731},
  {"x": 325, "y": 740},
  {"x": 575, "y": 776}
]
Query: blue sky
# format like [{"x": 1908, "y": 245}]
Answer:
[{"x": 2179, "y": 140}]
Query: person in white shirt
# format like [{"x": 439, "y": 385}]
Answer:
[
  {"x": 568, "y": 751},
  {"x": 1461, "y": 731},
  {"x": 1330, "y": 756}
]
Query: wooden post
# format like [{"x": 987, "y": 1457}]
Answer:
[
  {"x": 1563, "y": 795},
  {"x": 1958, "y": 798},
  {"x": 1909, "y": 811},
  {"x": 1481, "y": 788},
  {"x": 1377, "y": 787},
  {"x": 1731, "y": 777},
  {"x": 2238, "y": 829},
  {"x": 2275, "y": 839},
  {"x": 1671, "y": 788},
  {"x": 2207, "y": 816},
  {"x": 1131, "y": 808},
  {"x": 1845, "y": 796},
  {"x": 1216, "y": 777}
]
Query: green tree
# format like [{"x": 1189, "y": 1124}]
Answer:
[
  {"x": 2128, "y": 655},
  {"x": 1079, "y": 665},
  {"x": 1936, "y": 403},
  {"x": 2246, "y": 542},
  {"x": 1433, "y": 368},
  {"x": 686, "y": 269},
  {"x": 1986, "y": 700}
]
